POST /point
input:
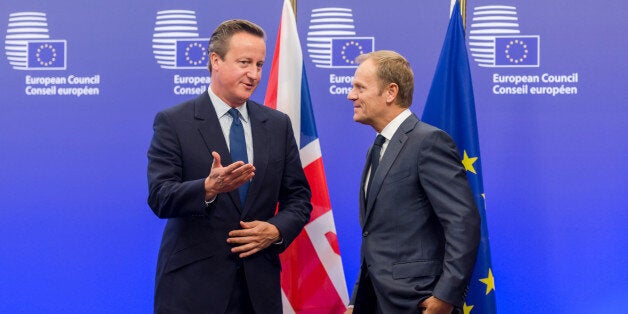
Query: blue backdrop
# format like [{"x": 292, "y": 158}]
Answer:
[{"x": 81, "y": 82}]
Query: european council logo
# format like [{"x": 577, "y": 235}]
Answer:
[
  {"x": 176, "y": 43},
  {"x": 192, "y": 54},
  {"x": 332, "y": 40},
  {"x": 28, "y": 45},
  {"x": 496, "y": 41},
  {"x": 344, "y": 50},
  {"x": 512, "y": 51}
]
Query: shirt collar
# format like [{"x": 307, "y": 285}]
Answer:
[
  {"x": 393, "y": 125},
  {"x": 222, "y": 108}
]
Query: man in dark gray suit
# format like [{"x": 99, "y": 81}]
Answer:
[{"x": 420, "y": 224}]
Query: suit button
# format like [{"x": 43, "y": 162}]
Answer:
[{"x": 365, "y": 234}]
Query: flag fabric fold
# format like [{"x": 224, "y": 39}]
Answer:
[
  {"x": 450, "y": 106},
  {"x": 312, "y": 277}
]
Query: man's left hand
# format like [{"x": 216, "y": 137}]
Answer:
[
  {"x": 253, "y": 237},
  {"x": 433, "y": 305}
]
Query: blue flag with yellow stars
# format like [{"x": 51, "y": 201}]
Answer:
[{"x": 450, "y": 106}]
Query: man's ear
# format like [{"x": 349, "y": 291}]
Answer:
[
  {"x": 392, "y": 90},
  {"x": 215, "y": 59}
]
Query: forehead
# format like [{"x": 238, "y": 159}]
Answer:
[
  {"x": 366, "y": 73},
  {"x": 245, "y": 44}
]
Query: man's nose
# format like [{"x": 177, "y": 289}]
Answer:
[
  {"x": 351, "y": 95},
  {"x": 254, "y": 72}
]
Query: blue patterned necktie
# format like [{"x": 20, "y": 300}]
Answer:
[
  {"x": 237, "y": 146},
  {"x": 376, "y": 151}
]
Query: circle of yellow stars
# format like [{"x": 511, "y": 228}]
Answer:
[
  {"x": 519, "y": 43},
  {"x": 347, "y": 45},
  {"x": 195, "y": 46},
  {"x": 38, "y": 55}
]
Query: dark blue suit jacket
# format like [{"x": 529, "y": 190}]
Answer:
[
  {"x": 195, "y": 268},
  {"x": 421, "y": 227}
]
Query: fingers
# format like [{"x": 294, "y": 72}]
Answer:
[
  {"x": 241, "y": 174},
  {"x": 250, "y": 224},
  {"x": 247, "y": 246},
  {"x": 211, "y": 184},
  {"x": 247, "y": 231},
  {"x": 224, "y": 179},
  {"x": 236, "y": 168},
  {"x": 216, "y": 162},
  {"x": 254, "y": 237},
  {"x": 435, "y": 305},
  {"x": 239, "y": 168},
  {"x": 234, "y": 179},
  {"x": 247, "y": 250},
  {"x": 236, "y": 174}
]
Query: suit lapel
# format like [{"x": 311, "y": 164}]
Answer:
[
  {"x": 390, "y": 155},
  {"x": 261, "y": 150},
  {"x": 211, "y": 132},
  {"x": 362, "y": 186}
]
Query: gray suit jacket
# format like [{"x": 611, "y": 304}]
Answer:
[{"x": 420, "y": 223}]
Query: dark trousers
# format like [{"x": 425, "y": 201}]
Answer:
[
  {"x": 366, "y": 299},
  {"x": 240, "y": 301}
]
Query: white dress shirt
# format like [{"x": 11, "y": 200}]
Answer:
[
  {"x": 388, "y": 133},
  {"x": 222, "y": 111}
]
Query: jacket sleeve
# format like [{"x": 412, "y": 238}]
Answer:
[
  {"x": 169, "y": 195},
  {"x": 445, "y": 182}
]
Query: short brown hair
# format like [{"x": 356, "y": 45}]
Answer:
[
  {"x": 393, "y": 68},
  {"x": 219, "y": 41}
]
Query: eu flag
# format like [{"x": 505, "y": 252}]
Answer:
[
  {"x": 517, "y": 51},
  {"x": 344, "y": 50},
  {"x": 450, "y": 106},
  {"x": 47, "y": 54},
  {"x": 191, "y": 53}
]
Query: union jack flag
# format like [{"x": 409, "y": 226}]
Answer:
[{"x": 312, "y": 277}]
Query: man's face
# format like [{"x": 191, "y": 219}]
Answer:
[
  {"x": 369, "y": 102},
  {"x": 235, "y": 77}
]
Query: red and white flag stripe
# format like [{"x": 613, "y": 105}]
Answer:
[{"x": 312, "y": 278}]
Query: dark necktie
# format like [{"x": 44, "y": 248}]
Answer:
[
  {"x": 376, "y": 151},
  {"x": 237, "y": 146}
]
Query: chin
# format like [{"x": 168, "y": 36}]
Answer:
[{"x": 244, "y": 98}]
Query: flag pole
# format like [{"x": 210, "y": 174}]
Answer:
[
  {"x": 294, "y": 8},
  {"x": 463, "y": 10}
]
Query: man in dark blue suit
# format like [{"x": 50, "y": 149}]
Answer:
[
  {"x": 229, "y": 216},
  {"x": 420, "y": 224}
]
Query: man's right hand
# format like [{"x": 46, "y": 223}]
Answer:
[{"x": 224, "y": 179}]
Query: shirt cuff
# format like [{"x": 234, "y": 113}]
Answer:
[{"x": 207, "y": 203}]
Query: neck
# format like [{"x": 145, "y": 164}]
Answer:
[{"x": 389, "y": 116}]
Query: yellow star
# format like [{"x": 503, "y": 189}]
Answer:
[
  {"x": 468, "y": 162},
  {"x": 489, "y": 281},
  {"x": 467, "y": 308}
]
